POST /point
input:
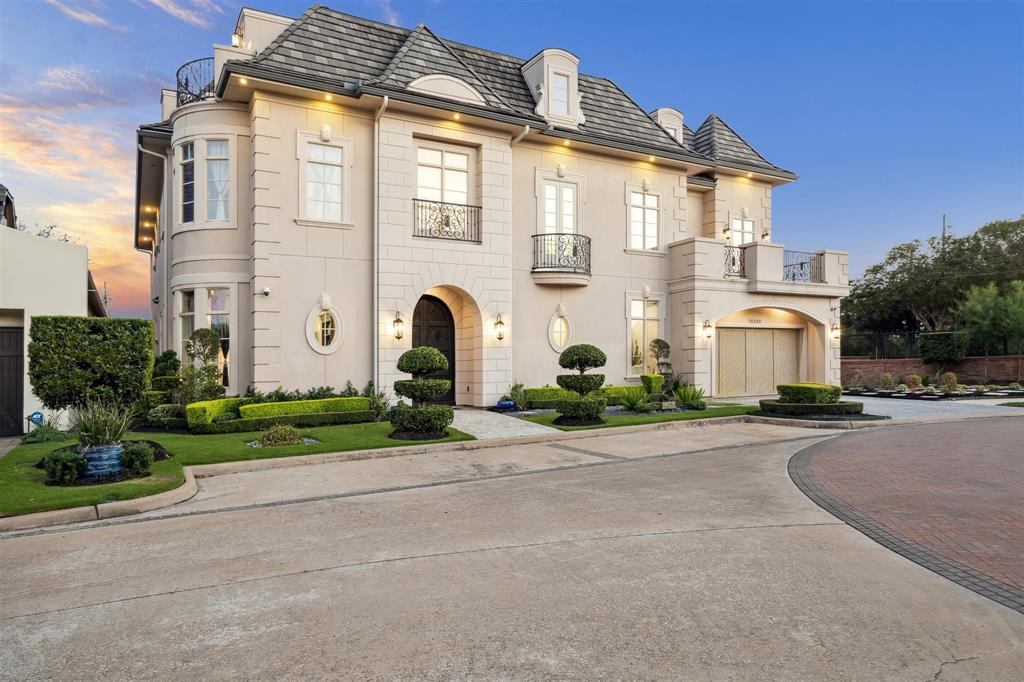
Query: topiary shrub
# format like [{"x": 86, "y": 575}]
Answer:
[
  {"x": 169, "y": 383},
  {"x": 280, "y": 434},
  {"x": 809, "y": 393},
  {"x": 581, "y": 357},
  {"x": 63, "y": 467},
  {"x": 166, "y": 364},
  {"x": 913, "y": 381},
  {"x": 652, "y": 383},
  {"x": 74, "y": 360},
  {"x": 802, "y": 409},
  {"x": 544, "y": 398},
  {"x": 422, "y": 421},
  {"x": 205, "y": 411},
  {"x": 137, "y": 458},
  {"x": 949, "y": 382},
  {"x": 660, "y": 351},
  {"x": 168, "y": 416}
]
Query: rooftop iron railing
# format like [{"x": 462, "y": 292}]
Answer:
[{"x": 195, "y": 81}]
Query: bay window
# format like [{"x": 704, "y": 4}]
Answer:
[{"x": 217, "y": 180}]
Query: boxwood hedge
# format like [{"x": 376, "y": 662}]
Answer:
[
  {"x": 809, "y": 393},
  {"x": 304, "y": 407},
  {"x": 795, "y": 409},
  {"x": 262, "y": 423},
  {"x": 205, "y": 411}
]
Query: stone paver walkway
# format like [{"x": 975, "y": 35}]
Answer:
[
  {"x": 8, "y": 444},
  {"x": 483, "y": 424},
  {"x": 948, "y": 496}
]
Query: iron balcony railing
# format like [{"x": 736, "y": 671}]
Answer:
[
  {"x": 195, "y": 81},
  {"x": 561, "y": 253},
  {"x": 800, "y": 266},
  {"x": 441, "y": 220},
  {"x": 735, "y": 262}
]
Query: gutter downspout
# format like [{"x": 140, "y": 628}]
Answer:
[
  {"x": 518, "y": 138},
  {"x": 376, "y": 242}
]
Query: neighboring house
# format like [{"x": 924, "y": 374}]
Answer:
[
  {"x": 38, "y": 276},
  {"x": 330, "y": 191}
]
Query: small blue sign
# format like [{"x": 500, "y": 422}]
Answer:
[{"x": 36, "y": 418}]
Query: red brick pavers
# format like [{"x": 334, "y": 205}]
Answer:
[{"x": 954, "y": 488}]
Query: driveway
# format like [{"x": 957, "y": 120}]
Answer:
[{"x": 655, "y": 555}]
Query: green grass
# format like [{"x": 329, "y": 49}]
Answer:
[
  {"x": 1014, "y": 404},
  {"x": 628, "y": 419},
  {"x": 22, "y": 490}
]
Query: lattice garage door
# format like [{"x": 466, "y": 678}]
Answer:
[{"x": 755, "y": 361}]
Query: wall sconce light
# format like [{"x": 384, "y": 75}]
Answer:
[
  {"x": 236, "y": 39},
  {"x": 398, "y": 326},
  {"x": 835, "y": 331},
  {"x": 707, "y": 329},
  {"x": 726, "y": 233},
  {"x": 765, "y": 235},
  {"x": 499, "y": 328}
]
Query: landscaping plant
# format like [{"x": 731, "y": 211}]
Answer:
[
  {"x": 949, "y": 382},
  {"x": 690, "y": 397},
  {"x": 886, "y": 381},
  {"x": 63, "y": 467},
  {"x": 137, "y": 458},
  {"x": 660, "y": 351},
  {"x": 943, "y": 348},
  {"x": 913, "y": 381},
  {"x": 44, "y": 433},
  {"x": 280, "y": 434},
  {"x": 586, "y": 408},
  {"x": 517, "y": 394},
  {"x": 421, "y": 420},
  {"x": 634, "y": 398},
  {"x": 100, "y": 423}
]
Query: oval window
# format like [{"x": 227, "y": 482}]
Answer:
[
  {"x": 559, "y": 332},
  {"x": 324, "y": 329}
]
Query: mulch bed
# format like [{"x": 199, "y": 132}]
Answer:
[
  {"x": 417, "y": 435},
  {"x": 159, "y": 453}
]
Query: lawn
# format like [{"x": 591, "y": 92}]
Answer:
[
  {"x": 614, "y": 419},
  {"x": 1016, "y": 404},
  {"x": 22, "y": 489}
]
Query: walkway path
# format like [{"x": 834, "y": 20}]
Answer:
[{"x": 486, "y": 424}]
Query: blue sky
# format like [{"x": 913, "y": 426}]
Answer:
[{"x": 892, "y": 113}]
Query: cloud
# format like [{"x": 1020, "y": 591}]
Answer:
[
  {"x": 70, "y": 77},
  {"x": 78, "y": 13},
  {"x": 75, "y": 86},
  {"x": 389, "y": 12},
  {"x": 195, "y": 15}
]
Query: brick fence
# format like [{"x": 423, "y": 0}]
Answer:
[{"x": 973, "y": 370}]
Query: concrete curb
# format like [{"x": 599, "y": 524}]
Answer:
[{"x": 106, "y": 510}]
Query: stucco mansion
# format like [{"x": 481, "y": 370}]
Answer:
[{"x": 327, "y": 192}]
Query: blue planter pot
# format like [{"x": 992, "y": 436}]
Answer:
[
  {"x": 506, "y": 404},
  {"x": 102, "y": 460}
]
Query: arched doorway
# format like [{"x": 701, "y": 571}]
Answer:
[{"x": 433, "y": 325}]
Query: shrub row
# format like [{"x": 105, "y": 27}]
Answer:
[
  {"x": 261, "y": 423},
  {"x": 809, "y": 393},
  {"x": 546, "y": 397},
  {"x": 304, "y": 407},
  {"x": 587, "y": 408},
  {"x": 205, "y": 411},
  {"x": 795, "y": 409}
]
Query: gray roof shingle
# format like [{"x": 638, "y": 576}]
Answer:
[
  {"x": 716, "y": 139},
  {"x": 340, "y": 50}
]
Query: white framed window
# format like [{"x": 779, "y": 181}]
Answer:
[
  {"x": 673, "y": 132},
  {"x": 643, "y": 220},
  {"x": 324, "y": 328},
  {"x": 187, "y": 317},
  {"x": 443, "y": 173},
  {"x": 741, "y": 231},
  {"x": 559, "y": 93},
  {"x": 325, "y": 173},
  {"x": 218, "y": 318},
  {"x": 644, "y": 320},
  {"x": 559, "y": 207},
  {"x": 188, "y": 183},
  {"x": 218, "y": 180},
  {"x": 559, "y": 331}
]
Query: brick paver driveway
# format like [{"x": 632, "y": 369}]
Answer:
[{"x": 948, "y": 496}]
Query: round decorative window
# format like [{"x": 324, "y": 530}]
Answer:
[
  {"x": 324, "y": 330},
  {"x": 559, "y": 331}
]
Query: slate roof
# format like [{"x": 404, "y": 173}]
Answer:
[
  {"x": 331, "y": 49},
  {"x": 716, "y": 139}
]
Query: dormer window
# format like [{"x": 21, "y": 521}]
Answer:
[
  {"x": 671, "y": 120},
  {"x": 553, "y": 78},
  {"x": 559, "y": 94}
]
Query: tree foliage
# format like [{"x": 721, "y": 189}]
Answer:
[
  {"x": 919, "y": 286},
  {"x": 992, "y": 318}
]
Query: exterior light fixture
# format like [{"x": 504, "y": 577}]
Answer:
[
  {"x": 765, "y": 234},
  {"x": 398, "y": 326},
  {"x": 499, "y": 328},
  {"x": 651, "y": 159},
  {"x": 243, "y": 81},
  {"x": 726, "y": 233},
  {"x": 565, "y": 142},
  {"x": 328, "y": 97},
  {"x": 149, "y": 209},
  {"x": 835, "y": 331},
  {"x": 457, "y": 116},
  {"x": 750, "y": 175},
  {"x": 707, "y": 329},
  {"x": 236, "y": 39}
]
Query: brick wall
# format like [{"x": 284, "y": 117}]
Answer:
[{"x": 970, "y": 371}]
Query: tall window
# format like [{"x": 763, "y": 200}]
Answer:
[
  {"x": 560, "y": 94},
  {"x": 643, "y": 220},
  {"x": 217, "y": 181},
  {"x": 188, "y": 317},
  {"x": 644, "y": 320},
  {"x": 218, "y": 318},
  {"x": 442, "y": 175},
  {"x": 741, "y": 231},
  {"x": 323, "y": 182},
  {"x": 188, "y": 183},
  {"x": 559, "y": 207}
]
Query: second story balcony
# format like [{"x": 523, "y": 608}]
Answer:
[
  {"x": 561, "y": 259},
  {"x": 442, "y": 220},
  {"x": 196, "y": 81}
]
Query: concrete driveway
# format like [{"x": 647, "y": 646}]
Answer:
[{"x": 629, "y": 562}]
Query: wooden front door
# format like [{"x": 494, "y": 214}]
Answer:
[
  {"x": 433, "y": 325},
  {"x": 12, "y": 380}
]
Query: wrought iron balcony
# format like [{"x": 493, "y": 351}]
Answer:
[
  {"x": 196, "y": 81},
  {"x": 561, "y": 253},
  {"x": 735, "y": 261},
  {"x": 800, "y": 266},
  {"x": 441, "y": 220}
]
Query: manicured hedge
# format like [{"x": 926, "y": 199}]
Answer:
[
  {"x": 262, "y": 423},
  {"x": 799, "y": 409},
  {"x": 652, "y": 383},
  {"x": 586, "y": 408},
  {"x": 75, "y": 359},
  {"x": 546, "y": 397},
  {"x": 304, "y": 407},
  {"x": 424, "y": 419},
  {"x": 809, "y": 393},
  {"x": 151, "y": 399},
  {"x": 205, "y": 411}
]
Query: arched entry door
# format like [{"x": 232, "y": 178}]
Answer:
[{"x": 433, "y": 325}]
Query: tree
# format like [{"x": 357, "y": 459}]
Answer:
[{"x": 993, "y": 319}]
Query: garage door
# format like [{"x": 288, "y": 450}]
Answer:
[{"x": 755, "y": 361}]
